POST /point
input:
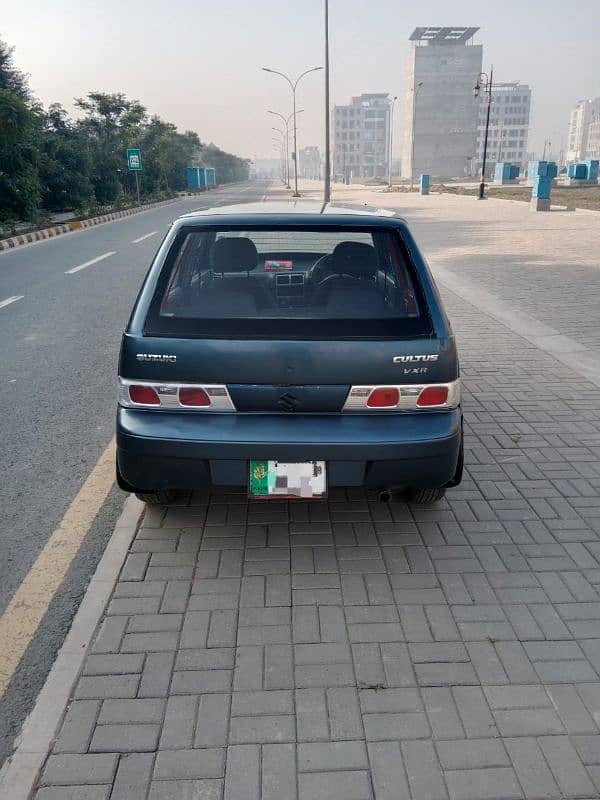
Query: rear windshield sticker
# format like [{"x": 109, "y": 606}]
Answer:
[{"x": 277, "y": 266}]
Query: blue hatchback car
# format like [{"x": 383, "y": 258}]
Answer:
[{"x": 287, "y": 350}]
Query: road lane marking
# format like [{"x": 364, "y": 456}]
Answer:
[
  {"x": 141, "y": 239},
  {"x": 24, "y": 613},
  {"x": 10, "y": 300},
  {"x": 89, "y": 263}
]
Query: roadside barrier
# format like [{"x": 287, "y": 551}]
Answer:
[{"x": 75, "y": 225}]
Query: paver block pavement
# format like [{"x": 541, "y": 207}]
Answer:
[{"x": 351, "y": 650}]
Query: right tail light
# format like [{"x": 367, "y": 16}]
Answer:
[{"x": 408, "y": 397}]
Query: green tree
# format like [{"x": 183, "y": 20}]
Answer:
[
  {"x": 111, "y": 123},
  {"x": 229, "y": 168},
  {"x": 47, "y": 160},
  {"x": 65, "y": 164},
  {"x": 19, "y": 132}
]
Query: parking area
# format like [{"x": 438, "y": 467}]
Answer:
[{"x": 357, "y": 650}]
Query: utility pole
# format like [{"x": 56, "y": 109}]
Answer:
[
  {"x": 391, "y": 141},
  {"x": 327, "y": 176},
  {"x": 415, "y": 92},
  {"x": 487, "y": 83}
]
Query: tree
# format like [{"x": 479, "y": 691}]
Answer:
[
  {"x": 166, "y": 154},
  {"x": 111, "y": 123},
  {"x": 11, "y": 78},
  {"x": 229, "y": 168},
  {"x": 65, "y": 163},
  {"x": 19, "y": 129},
  {"x": 49, "y": 161}
]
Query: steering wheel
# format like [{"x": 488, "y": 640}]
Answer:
[
  {"x": 328, "y": 278},
  {"x": 312, "y": 274}
]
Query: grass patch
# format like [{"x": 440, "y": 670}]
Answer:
[{"x": 570, "y": 196}]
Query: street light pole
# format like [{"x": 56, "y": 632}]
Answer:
[
  {"x": 487, "y": 84},
  {"x": 412, "y": 143},
  {"x": 391, "y": 141},
  {"x": 547, "y": 143},
  {"x": 294, "y": 86},
  {"x": 327, "y": 176},
  {"x": 284, "y": 146},
  {"x": 286, "y": 122},
  {"x": 278, "y": 145}
]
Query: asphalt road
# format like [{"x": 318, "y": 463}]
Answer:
[{"x": 58, "y": 371}]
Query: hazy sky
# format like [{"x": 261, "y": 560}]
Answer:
[{"x": 197, "y": 64}]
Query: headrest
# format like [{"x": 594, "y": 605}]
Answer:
[
  {"x": 354, "y": 258},
  {"x": 233, "y": 254}
]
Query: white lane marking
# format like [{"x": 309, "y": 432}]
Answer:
[
  {"x": 141, "y": 239},
  {"x": 89, "y": 263},
  {"x": 10, "y": 300}
]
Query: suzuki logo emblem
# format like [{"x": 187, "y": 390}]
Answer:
[{"x": 288, "y": 402}]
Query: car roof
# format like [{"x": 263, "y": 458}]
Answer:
[{"x": 293, "y": 211}]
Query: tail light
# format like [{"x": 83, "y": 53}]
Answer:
[
  {"x": 384, "y": 397},
  {"x": 433, "y": 396},
  {"x": 143, "y": 395},
  {"x": 409, "y": 397},
  {"x": 193, "y": 396},
  {"x": 174, "y": 396}
]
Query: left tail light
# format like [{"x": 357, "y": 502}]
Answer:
[{"x": 174, "y": 396}]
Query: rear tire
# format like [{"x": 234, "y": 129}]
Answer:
[
  {"x": 163, "y": 497},
  {"x": 426, "y": 497}
]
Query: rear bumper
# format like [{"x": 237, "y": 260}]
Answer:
[{"x": 163, "y": 450}]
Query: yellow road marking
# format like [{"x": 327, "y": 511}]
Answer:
[{"x": 22, "y": 616}]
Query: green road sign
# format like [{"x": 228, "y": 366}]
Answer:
[{"x": 134, "y": 159}]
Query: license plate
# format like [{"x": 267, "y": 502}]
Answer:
[{"x": 281, "y": 479}]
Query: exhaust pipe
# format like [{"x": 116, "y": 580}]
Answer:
[{"x": 385, "y": 496}]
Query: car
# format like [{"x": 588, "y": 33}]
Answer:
[{"x": 285, "y": 350}]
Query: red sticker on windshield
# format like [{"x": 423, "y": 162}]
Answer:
[{"x": 276, "y": 266}]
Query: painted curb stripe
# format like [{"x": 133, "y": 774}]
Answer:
[
  {"x": 20, "y": 772},
  {"x": 49, "y": 233},
  {"x": 22, "y": 616}
]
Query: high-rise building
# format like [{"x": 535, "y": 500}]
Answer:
[
  {"x": 584, "y": 134},
  {"x": 509, "y": 124},
  {"x": 361, "y": 136},
  {"x": 309, "y": 164},
  {"x": 440, "y": 110},
  {"x": 593, "y": 144}
]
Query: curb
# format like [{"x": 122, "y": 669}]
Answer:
[
  {"x": 20, "y": 773},
  {"x": 76, "y": 225}
]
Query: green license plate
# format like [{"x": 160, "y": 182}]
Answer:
[{"x": 281, "y": 479}]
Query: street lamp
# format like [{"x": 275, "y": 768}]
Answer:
[
  {"x": 547, "y": 143},
  {"x": 391, "y": 140},
  {"x": 486, "y": 83},
  {"x": 415, "y": 92},
  {"x": 293, "y": 86},
  {"x": 284, "y": 150},
  {"x": 286, "y": 122},
  {"x": 278, "y": 145}
]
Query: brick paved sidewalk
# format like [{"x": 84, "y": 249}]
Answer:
[{"x": 361, "y": 651}]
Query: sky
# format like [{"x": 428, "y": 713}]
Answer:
[{"x": 198, "y": 64}]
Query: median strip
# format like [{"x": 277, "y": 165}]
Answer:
[
  {"x": 141, "y": 239},
  {"x": 10, "y": 300},
  {"x": 91, "y": 262},
  {"x": 24, "y": 613}
]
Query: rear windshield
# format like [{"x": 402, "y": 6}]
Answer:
[{"x": 278, "y": 282}]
